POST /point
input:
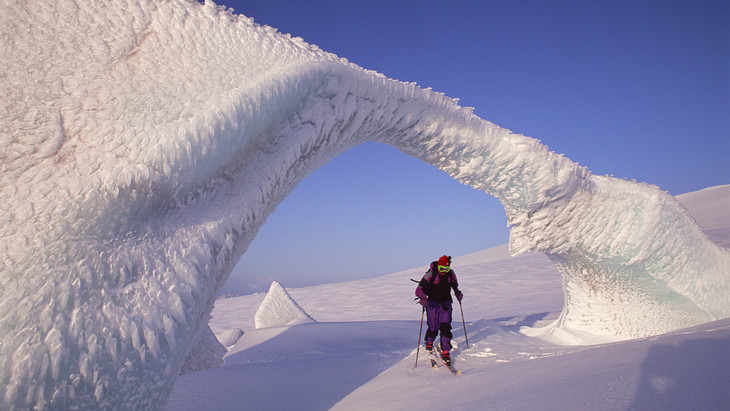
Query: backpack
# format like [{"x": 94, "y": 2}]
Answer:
[{"x": 449, "y": 276}]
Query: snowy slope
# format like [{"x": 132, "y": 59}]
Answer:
[
  {"x": 710, "y": 208},
  {"x": 361, "y": 352}
]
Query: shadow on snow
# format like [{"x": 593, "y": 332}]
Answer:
[{"x": 309, "y": 366}]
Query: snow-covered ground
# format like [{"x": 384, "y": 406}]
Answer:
[{"x": 361, "y": 351}]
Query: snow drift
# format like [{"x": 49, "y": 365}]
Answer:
[{"x": 144, "y": 144}]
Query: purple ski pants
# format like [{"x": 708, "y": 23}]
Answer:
[{"x": 439, "y": 319}]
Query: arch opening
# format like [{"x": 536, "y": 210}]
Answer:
[{"x": 370, "y": 211}]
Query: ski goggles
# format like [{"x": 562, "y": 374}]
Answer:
[{"x": 444, "y": 268}]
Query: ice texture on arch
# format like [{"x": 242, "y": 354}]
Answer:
[{"x": 144, "y": 143}]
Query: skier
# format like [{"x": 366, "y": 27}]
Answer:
[{"x": 434, "y": 293}]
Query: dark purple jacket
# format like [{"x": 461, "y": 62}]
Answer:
[{"x": 433, "y": 286}]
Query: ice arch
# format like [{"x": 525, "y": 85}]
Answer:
[{"x": 145, "y": 142}]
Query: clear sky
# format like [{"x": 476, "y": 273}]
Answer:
[{"x": 634, "y": 89}]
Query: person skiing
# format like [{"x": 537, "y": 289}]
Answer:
[{"x": 434, "y": 293}]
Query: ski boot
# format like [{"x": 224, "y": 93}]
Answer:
[{"x": 446, "y": 357}]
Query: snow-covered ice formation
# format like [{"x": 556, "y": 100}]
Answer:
[
  {"x": 144, "y": 143},
  {"x": 207, "y": 353},
  {"x": 279, "y": 309}
]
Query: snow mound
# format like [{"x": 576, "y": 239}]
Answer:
[
  {"x": 279, "y": 309},
  {"x": 230, "y": 337}
]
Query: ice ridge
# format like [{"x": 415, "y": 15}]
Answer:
[{"x": 279, "y": 309}]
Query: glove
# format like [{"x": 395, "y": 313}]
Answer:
[
  {"x": 423, "y": 302},
  {"x": 459, "y": 295}
]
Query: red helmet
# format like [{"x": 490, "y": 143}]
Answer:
[{"x": 445, "y": 260}]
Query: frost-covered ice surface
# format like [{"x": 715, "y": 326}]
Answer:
[
  {"x": 207, "y": 353},
  {"x": 361, "y": 353},
  {"x": 144, "y": 143}
]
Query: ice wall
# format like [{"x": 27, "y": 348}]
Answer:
[{"x": 144, "y": 143}]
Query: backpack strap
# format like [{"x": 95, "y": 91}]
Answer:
[
  {"x": 449, "y": 277},
  {"x": 432, "y": 278}
]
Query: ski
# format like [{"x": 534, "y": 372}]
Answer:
[
  {"x": 454, "y": 370},
  {"x": 432, "y": 357}
]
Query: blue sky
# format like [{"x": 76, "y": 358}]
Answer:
[{"x": 638, "y": 90}]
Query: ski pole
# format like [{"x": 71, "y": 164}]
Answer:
[
  {"x": 418, "y": 347},
  {"x": 463, "y": 323}
]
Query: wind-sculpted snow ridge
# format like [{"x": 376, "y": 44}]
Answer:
[
  {"x": 279, "y": 309},
  {"x": 144, "y": 143}
]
